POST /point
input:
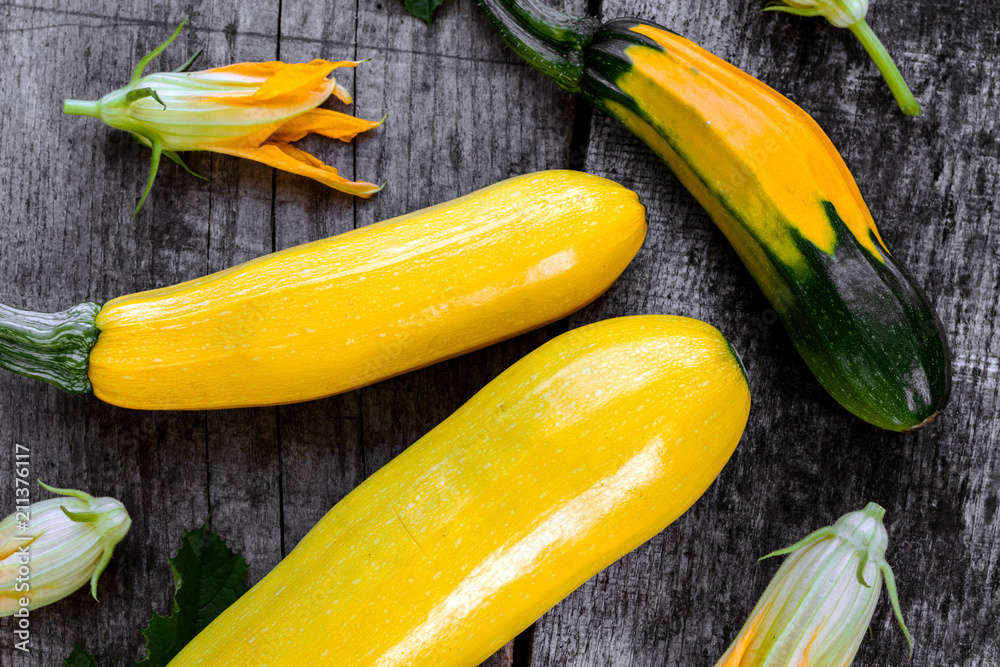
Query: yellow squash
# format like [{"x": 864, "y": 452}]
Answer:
[
  {"x": 344, "y": 312},
  {"x": 574, "y": 456}
]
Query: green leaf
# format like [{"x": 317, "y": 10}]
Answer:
[
  {"x": 208, "y": 577},
  {"x": 80, "y": 658},
  {"x": 422, "y": 9}
]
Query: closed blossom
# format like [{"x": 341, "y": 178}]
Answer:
[
  {"x": 56, "y": 547},
  {"x": 817, "y": 608}
]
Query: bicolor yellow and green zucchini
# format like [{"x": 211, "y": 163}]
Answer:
[
  {"x": 340, "y": 313},
  {"x": 575, "y": 455},
  {"x": 778, "y": 189}
]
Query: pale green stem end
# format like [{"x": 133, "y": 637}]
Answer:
[
  {"x": 82, "y": 108},
  {"x": 873, "y": 45},
  {"x": 875, "y": 511}
]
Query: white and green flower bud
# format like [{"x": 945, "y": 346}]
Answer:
[
  {"x": 841, "y": 13},
  {"x": 818, "y": 606},
  {"x": 56, "y": 546}
]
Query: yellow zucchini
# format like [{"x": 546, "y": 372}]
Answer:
[
  {"x": 574, "y": 456},
  {"x": 333, "y": 315}
]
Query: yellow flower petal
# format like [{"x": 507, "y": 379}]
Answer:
[
  {"x": 297, "y": 79},
  {"x": 263, "y": 70},
  {"x": 284, "y": 82},
  {"x": 294, "y": 79},
  {"x": 329, "y": 123},
  {"x": 746, "y": 639},
  {"x": 267, "y": 69},
  {"x": 291, "y": 159},
  {"x": 342, "y": 94}
]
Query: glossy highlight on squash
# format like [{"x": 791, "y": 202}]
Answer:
[
  {"x": 778, "y": 189},
  {"x": 337, "y": 314},
  {"x": 577, "y": 454}
]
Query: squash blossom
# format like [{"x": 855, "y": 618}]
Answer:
[
  {"x": 851, "y": 14},
  {"x": 61, "y": 545},
  {"x": 250, "y": 110},
  {"x": 816, "y": 609}
]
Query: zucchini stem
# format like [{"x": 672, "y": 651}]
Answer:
[
  {"x": 549, "y": 40},
  {"x": 553, "y": 26},
  {"x": 82, "y": 108},
  {"x": 873, "y": 45},
  {"x": 51, "y": 347}
]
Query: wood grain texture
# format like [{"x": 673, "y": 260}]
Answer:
[{"x": 463, "y": 112}]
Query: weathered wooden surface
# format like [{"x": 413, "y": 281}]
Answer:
[{"x": 463, "y": 113}]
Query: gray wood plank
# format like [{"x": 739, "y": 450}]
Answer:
[{"x": 932, "y": 186}]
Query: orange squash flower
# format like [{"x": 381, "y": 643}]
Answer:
[
  {"x": 816, "y": 609},
  {"x": 250, "y": 110}
]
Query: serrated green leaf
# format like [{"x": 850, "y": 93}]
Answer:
[
  {"x": 208, "y": 577},
  {"x": 422, "y": 9},
  {"x": 80, "y": 658}
]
